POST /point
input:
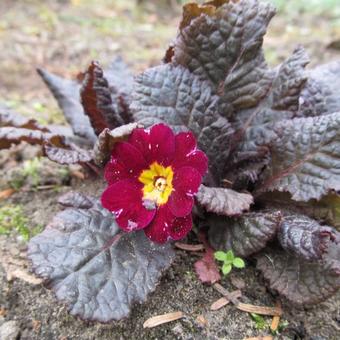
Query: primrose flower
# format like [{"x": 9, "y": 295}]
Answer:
[{"x": 152, "y": 179}]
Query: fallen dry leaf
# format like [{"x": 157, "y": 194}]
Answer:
[
  {"x": 231, "y": 297},
  {"x": 189, "y": 247},
  {"x": 3, "y": 312},
  {"x": 206, "y": 268},
  {"x": 276, "y": 319},
  {"x": 224, "y": 301},
  {"x": 36, "y": 325},
  {"x": 24, "y": 276},
  {"x": 161, "y": 319},
  {"x": 6, "y": 193},
  {"x": 218, "y": 304},
  {"x": 202, "y": 321},
  {"x": 15, "y": 266},
  {"x": 259, "y": 309}
]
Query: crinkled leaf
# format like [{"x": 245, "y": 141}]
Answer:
[
  {"x": 251, "y": 152},
  {"x": 304, "y": 237},
  {"x": 223, "y": 201},
  {"x": 289, "y": 81},
  {"x": 300, "y": 281},
  {"x": 107, "y": 139},
  {"x": 96, "y": 100},
  {"x": 14, "y": 119},
  {"x": 321, "y": 93},
  {"x": 66, "y": 92},
  {"x": 326, "y": 210},
  {"x": 121, "y": 80},
  {"x": 281, "y": 102},
  {"x": 71, "y": 155},
  {"x": 298, "y": 99},
  {"x": 173, "y": 95},
  {"x": 221, "y": 42},
  {"x": 75, "y": 200},
  {"x": 305, "y": 157},
  {"x": 246, "y": 234},
  {"x": 12, "y": 135},
  {"x": 96, "y": 271},
  {"x": 119, "y": 77}
]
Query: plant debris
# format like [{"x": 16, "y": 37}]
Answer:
[{"x": 161, "y": 319}]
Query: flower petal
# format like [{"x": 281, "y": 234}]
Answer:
[
  {"x": 162, "y": 141},
  {"x": 196, "y": 159},
  {"x": 140, "y": 139},
  {"x": 165, "y": 226},
  {"x": 180, "y": 227},
  {"x": 185, "y": 183},
  {"x": 180, "y": 203},
  {"x": 187, "y": 154},
  {"x": 126, "y": 162},
  {"x": 115, "y": 171},
  {"x": 124, "y": 199},
  {"x": 185, "y": 143},
  {"x": 157, "y": 145},
  {"x": 187, "y": 180}
]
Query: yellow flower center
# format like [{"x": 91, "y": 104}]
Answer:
[{"x": 157, "y": 182}]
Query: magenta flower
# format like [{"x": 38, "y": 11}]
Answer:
[{"x": 152, "y": 180}]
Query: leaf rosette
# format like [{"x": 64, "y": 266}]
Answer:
[{"x": 272, "y": 187}]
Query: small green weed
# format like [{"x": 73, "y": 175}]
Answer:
[
  {"x": 260, "y": 322},
  {"x": 13, "y": 218},
  {"x": 229, "y": 261}
]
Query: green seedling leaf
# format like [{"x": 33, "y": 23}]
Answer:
[
  {"x": 229, "y": 256},
  {"x": 260, "y": 322},
  {"x": 238, "y": 262},
  {"x": 220, "y": 256},
  {"x": 226, "y": 268}
]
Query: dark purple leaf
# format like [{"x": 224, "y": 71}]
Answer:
[
  {"x": 96, "y": 100},
  {"x": 281, "y": 102},
  {"x": 10, "y": 118},
  {"x": 305, "y": 157},
  {"x": 120, "y": 80},
  {"x": 221, "y": 42},
  {"x": 245, "y": 235},
  {"x": 321, "y": 93},
  {"x": 75, "y": 200},
  {"x": 173, "y": 95},
  {"x": 119, "y": 77},
  {"x": 223, "y": 201},
  {"x": 73, "y": 154},
  {"x": 301, "y": 282},
  {"x": 289, "y": 81},
  {"x": 326, "y": 210},
  {"x": 304, "y": 237},
  {"x": 66, "y": 92},
  {"x": 107, "y": 139},
  {"x": 12, "y": 135},
  {"x": 97, "y": 271}
]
